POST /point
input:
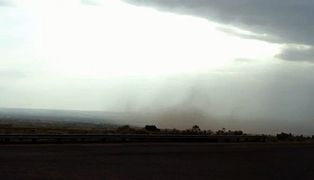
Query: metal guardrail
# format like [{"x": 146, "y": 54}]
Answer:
[{"x": 48, "y": 138}]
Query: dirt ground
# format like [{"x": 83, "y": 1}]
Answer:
[{"x": 157, "y": 161}]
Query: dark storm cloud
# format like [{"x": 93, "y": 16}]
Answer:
[
  {"x": 286, "y": 21},
  {"x": 296, "y": 54}
]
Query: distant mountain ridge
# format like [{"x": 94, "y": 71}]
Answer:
[{"x": 51, "y": 115}]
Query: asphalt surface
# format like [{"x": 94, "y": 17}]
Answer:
[{"x": 157, "y": 161}]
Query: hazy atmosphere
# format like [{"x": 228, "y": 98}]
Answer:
[{"x": 245, "y": 64}]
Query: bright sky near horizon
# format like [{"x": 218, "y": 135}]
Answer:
[{"x": 115, "y": 38}]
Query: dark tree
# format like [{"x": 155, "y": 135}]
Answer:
[
  {"x": 284, "y": 136},
  {"x": 152, "y": 128},
  {"x": 196, "y": 129}
]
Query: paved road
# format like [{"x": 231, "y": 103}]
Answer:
[{"x": 157, "y": 161}]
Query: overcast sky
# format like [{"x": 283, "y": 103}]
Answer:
[{"x": 245, "y": 64}]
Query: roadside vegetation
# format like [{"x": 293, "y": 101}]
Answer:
[{"x": 90, "y": 128}]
